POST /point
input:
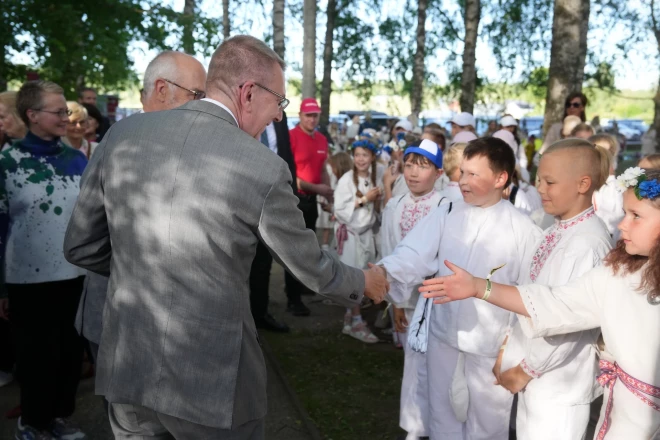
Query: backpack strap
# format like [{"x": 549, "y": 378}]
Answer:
[{"x": 512, "y": 196}]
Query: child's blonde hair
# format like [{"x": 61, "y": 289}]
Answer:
[
  {"x": 612, "y": 146},
  {"x": 341, "y": 163},
  {"x": 653, "y": 159},
  {"x": 452, "y": 158},
  {"x": 597, "y": 158}
]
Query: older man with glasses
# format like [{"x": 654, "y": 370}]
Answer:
[
  {"x": 172, "y": 207},
  {"x": 171, "y": 80}
]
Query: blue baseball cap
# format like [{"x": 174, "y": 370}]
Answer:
[{"x": 428, "y": 149}]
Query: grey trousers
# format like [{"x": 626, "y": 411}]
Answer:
[{"x": 135, "y": 422}]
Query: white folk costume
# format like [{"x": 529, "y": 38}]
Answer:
[
  {"x": 520, "y": 200},
  {"x": 555, "y": 403},
  {"x": 354, "y": 226},
  {"x": 453, "y": 192},
  {"x": 532, "y": 194},
  {"x": 324, "y": 219},
  {"x": 631, "y": 331},
  {"x": 399, "y": 217},
  {"x": 608, "y": 203},
  {"x": 477, "y": 239}
]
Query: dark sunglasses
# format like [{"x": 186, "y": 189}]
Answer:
[{"x": 573, "y": 104}]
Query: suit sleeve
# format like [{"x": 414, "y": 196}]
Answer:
[
  {"x": 282, "y": 229},
  {"x": 87, "y": 240}
]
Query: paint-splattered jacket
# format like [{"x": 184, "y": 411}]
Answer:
[{"x": 39, "y": 185}]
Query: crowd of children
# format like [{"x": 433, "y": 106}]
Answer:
[{"x": 474, "y": 203}]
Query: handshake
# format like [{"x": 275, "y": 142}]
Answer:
[{"x": 376, "y": 285}]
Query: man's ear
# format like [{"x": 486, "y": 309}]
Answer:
[{"x": 161, "y": 89}]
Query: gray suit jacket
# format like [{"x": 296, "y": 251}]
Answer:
[{"x": 172, "y": 206}]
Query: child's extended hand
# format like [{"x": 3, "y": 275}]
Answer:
[
  {"x": 515, "y": 379},
  {"x": 400, "y": 321},
  {"x": 390, "y": 176},
  {"x": 373, "y": 194}
]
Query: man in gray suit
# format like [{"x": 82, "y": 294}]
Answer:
[
  {"x": 170, "y": 80},
  {"x": 172, "y": 206}
]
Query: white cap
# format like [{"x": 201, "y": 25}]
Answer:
[
  {"x": 405, "y": 124},
  {"x": 463, "y": 137},
  {"x": 463, "y": 119},
  {"x": 508, "y": 121},
  {"x": 507, "y": 137}
]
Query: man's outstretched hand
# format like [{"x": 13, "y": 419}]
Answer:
[
  {"x": 449, "y": 288},
  {"x": 375, "y": 283}
]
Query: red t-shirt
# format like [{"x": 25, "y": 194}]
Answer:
[{"x": 309, "y": 154}]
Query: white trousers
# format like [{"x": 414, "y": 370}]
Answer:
[
  {"x": 414, "y": 412},
  {"x": 540, "y": 419},
  {"x": 490, "y": 405}
]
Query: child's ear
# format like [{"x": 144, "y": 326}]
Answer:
[
  {"x": 501, "y": 180},
  {"x": 439, "y": 173},
  {"x": 584, "y": 184}
]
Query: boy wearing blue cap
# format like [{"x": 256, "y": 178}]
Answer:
[
  {"x": 462, "y": 340},
  {"x": 422, "y": 166}
]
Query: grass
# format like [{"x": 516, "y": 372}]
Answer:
[{"x": 350, "y": 389}]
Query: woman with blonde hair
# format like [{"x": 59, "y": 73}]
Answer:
[
  {"x": 76, "y": 128},
  {"x": 10, "y": 123}
]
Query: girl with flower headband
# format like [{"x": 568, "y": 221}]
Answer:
[
  {"x": 622, "y": 297},
  {"x": 357, "y": 200}
]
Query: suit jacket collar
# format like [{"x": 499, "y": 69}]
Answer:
[{"x": 209, "y": 108}]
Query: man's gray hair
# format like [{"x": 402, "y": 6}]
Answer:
[
  {"x": 241, "y": 58},
  {"x": 163, "y": 66}
]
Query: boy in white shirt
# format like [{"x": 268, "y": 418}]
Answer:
[
  {"x": 484, "y": 232},
  {"x": 555, "y": 377},
  {"x": 422, "y": 166}
]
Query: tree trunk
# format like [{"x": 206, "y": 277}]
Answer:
[
  {"x": 225, "y": 19},
  {"x": 309, "y": 49},
  {"x": 471, "y": 17},
  {"x": 418, "y": 65},
  {"x": 567, "y": 56},
  {"x": 326, "y": 83},
  {"x": 188, "y": 40},
  {"x": 278, "y": 27},
  {"x": 4, "y": 74}
]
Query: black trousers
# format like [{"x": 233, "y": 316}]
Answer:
[
  {"x": 263, "y": 261},
  {"x": 48, "y": 348},
  {"x": 7, "y": 357},
  {"x": 308, "y": 207}
]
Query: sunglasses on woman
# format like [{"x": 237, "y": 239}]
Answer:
[{"x": 573, "y": 104}]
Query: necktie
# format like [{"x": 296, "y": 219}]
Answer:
[{"x": 264, "y": 139}]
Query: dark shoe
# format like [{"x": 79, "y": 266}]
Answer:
[
  {"x": 271, "y": 324},
  {"x": 298, "y": 309},
  {"x": 307, "y": 291}
]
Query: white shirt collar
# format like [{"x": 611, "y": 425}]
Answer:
[{"x": 222, "y": 106}]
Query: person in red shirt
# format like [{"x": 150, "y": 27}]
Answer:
[{"x": 310, "y": 151}]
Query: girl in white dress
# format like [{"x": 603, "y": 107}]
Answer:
[
  {"x": 622, "y": 297},
  {"x": 337, "y": 165},
  {"x": 357, "y": 200}
]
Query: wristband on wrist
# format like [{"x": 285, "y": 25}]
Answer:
[{"x": 489, "y": 286}]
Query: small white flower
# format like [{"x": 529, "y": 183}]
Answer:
[{"x": 629, "y": 178}]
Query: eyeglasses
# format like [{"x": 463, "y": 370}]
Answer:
[
  {"x": 196, "y": 94},
  {"x": 573, "y": 104},
  {"x": 83, "y": 123},
  {"x": 282, "y": 103},
  {"x": 61, "y": 113}
]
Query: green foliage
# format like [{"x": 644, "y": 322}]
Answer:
[{"x": 85, "y": 42}]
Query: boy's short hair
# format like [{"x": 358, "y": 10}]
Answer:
[
  {"x": 499, "y": 154},
  {"x": 452, "y": 158}
]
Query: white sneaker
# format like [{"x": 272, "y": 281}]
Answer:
[
  {"x": 363, "y": 333},
  {"x": 348, "y": 318}
]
